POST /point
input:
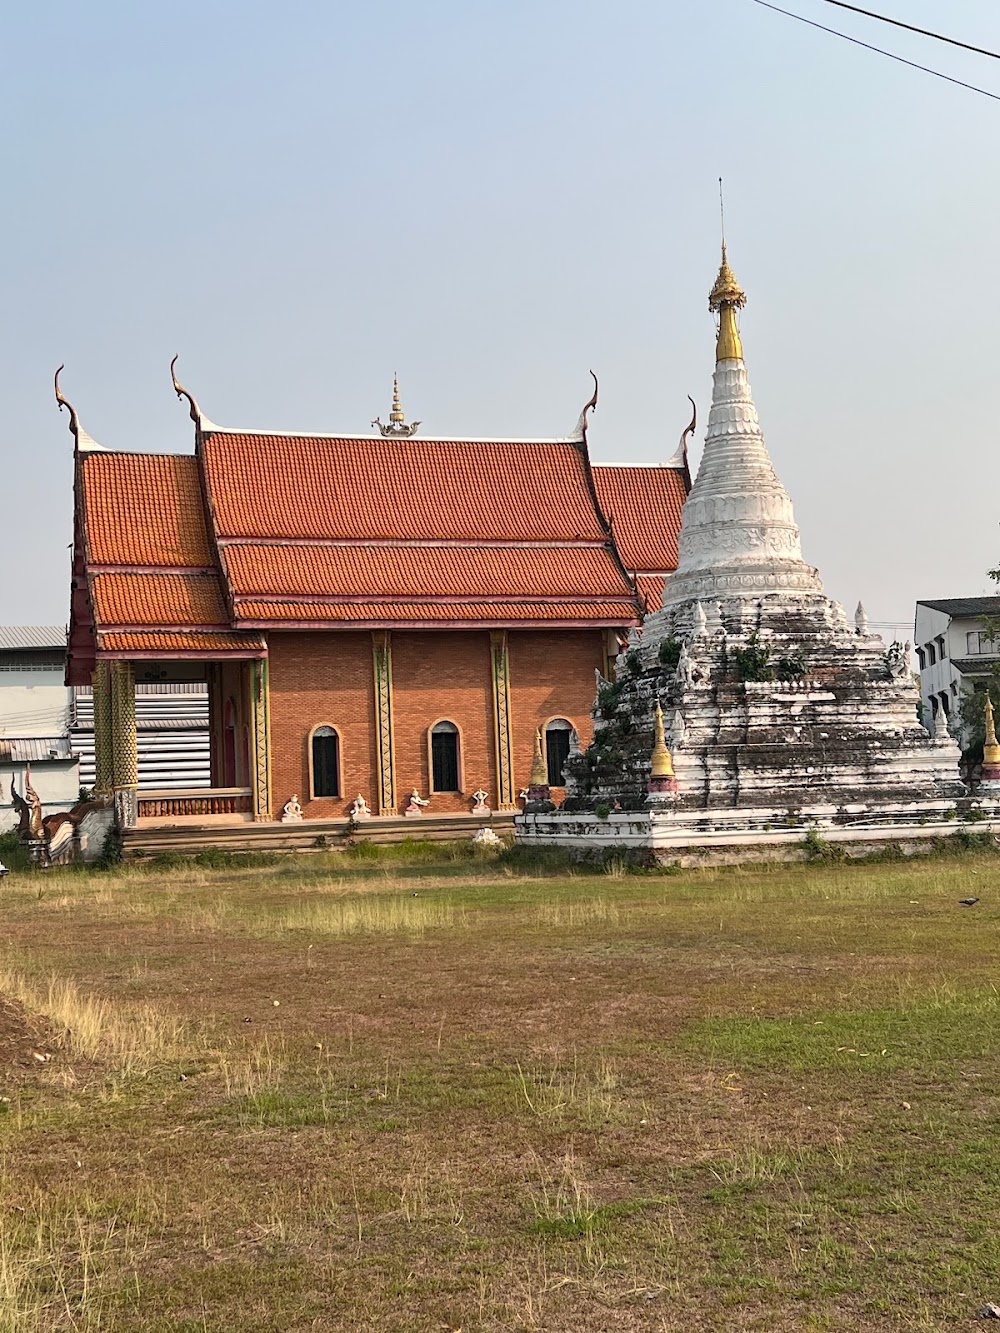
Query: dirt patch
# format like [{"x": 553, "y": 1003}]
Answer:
[{"x": 26, "y": 1044}]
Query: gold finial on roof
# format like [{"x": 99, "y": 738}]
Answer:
[
  {"x": 539, "y": 773},
  {"x": 663, "y": 766},
  {"x": 991, "y": 750},
  {"x": 397, "y": 418}
]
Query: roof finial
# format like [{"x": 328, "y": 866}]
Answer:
[
  {"x": 589, "y": 406},
  {"x": 726, "y": 297},
  {"x": 397, "y": 417},
  {"x": 181, "y": 392},
  {"x": 83, "y": 440}
]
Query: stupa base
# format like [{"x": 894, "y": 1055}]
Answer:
[{"x": 735, "y": 837}]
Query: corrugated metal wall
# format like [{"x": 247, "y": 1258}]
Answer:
[{"x": 171, "y": 730}]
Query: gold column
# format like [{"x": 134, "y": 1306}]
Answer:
[
  {"x": 502, "y": 731},
  {"x": 382, "y": 660},
  {"x": 124, "y": 753},
  {"x": 101, "y": 685},
  {"x": 260, "y": 731}
]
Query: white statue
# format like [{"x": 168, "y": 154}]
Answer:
[
  {"x": 684, "y": 669},
  {"x": 699, "y": 621},
  {"x": 861, "y": 620},
  {"x": 485, "y": 837},
  {"x": 416, "y": 804},
  {"x": 292, "y": 812},
  {"x": 479, "y": 802},
  {"x": 360, "y": 808},
  {"x": 678, "y": 730}
]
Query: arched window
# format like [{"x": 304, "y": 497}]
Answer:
[
  {"x": 445, "y": 756},
  {"x": 557, "y": 739},
  {"x": 324, "y": 762}
]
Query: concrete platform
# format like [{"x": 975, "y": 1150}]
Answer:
[{"x": 189, "y": 836}]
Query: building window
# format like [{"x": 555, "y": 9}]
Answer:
[
  {"x": 942, "y": 652},
  {"x": 931, "y": 654},
  {"x": 324, "y": 755},
  {"x": 557, "y": 735},
  {"x": 444, "y": 757},
  {"x": 921, "y": 658},
  {"x": 979, "y": 644},
  {"x": 945, "y": 703}
]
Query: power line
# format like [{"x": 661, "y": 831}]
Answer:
[
  {"x": 924, "y": 32},
  {"x": 834, "y": 32}
]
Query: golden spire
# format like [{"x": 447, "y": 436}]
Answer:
[
  {"x": 991, "y": 750},
  {"x": 726, "y": 297},
  {"x": 397, "y": 418},
  {"x": 663, "y": 766},
  {"x": 539, "y": 773}
]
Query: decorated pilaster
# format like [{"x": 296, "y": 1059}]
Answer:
[
  {"x": 260, "y": 735},
  {"x": 124, "y": 752},
  {"x": 382, "y": 660},
  {"x": 662, "y": 781},
  {"x": 101, "y": 685},
  {"x": 500, "y": 673}
]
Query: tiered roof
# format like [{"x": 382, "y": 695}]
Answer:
[
  {"x": 195, "y": 555},
  {"x": 643, "y": 505}
]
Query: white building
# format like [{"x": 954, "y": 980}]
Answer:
[
  {"x": 35, "y": 708},
  {"x": 954, "y": 650}
]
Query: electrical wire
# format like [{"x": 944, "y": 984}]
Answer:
[
  {"x": 923, "y": 32},
  {"x": 834, "y": 32}
]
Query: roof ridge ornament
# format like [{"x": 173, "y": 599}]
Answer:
[
  {"x": 679, "y": 458},
  {"x": 589, "y": 406},
  {"x": 83, "y": 440},
  {"x": 194, "y": 411},
  {"x": 397, "y": 426}
]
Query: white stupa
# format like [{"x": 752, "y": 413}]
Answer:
[{"x": 778, "y": 710}]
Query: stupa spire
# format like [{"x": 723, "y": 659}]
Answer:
[
  {"x": 738, "y": 534},
  {"x": 725, "y": 298}
]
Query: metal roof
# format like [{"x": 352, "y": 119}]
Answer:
[
  {"x": 965, "y": 606},
  {"x": 16, "y": 638},
  {"x": 32, "y": 750}
]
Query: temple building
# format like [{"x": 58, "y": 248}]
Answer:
[
  {"x": 779, "y": 712},
  {"x": 384, "y": 622}
]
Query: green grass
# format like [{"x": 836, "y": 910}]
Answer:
[{"x": 416, "y": 1090}]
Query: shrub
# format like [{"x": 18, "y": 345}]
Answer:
[
  {"x": 754, "y": 661},
  {"x": 670, "y": 653},
  {"x": 792, "y": 667}
]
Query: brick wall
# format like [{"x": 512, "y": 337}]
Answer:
[
  {"x": 551, "y": 675},
  {"x": 317, "y": 680},
  {"x": 320, "y": 678}
]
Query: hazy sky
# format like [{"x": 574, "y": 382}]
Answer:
[{"x": 491, "y": 198}]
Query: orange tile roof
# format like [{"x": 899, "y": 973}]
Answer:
[
  {"x": 158, "y": 600},
  {"x": 644, "y": 504},
  {"x": 650, "y": 591},
  {"x": 419, "y": 571},
  {"x": 621, "y": 612},
  {"x": 144, "y": 509},
  {"x": 138, "y": 642},
  {"x": 383, "y": 489}
]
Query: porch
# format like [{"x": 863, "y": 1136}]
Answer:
[{"x": 239, "y": 755}]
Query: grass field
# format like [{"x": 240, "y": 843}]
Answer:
[{"x": 413, "y": 1094}]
